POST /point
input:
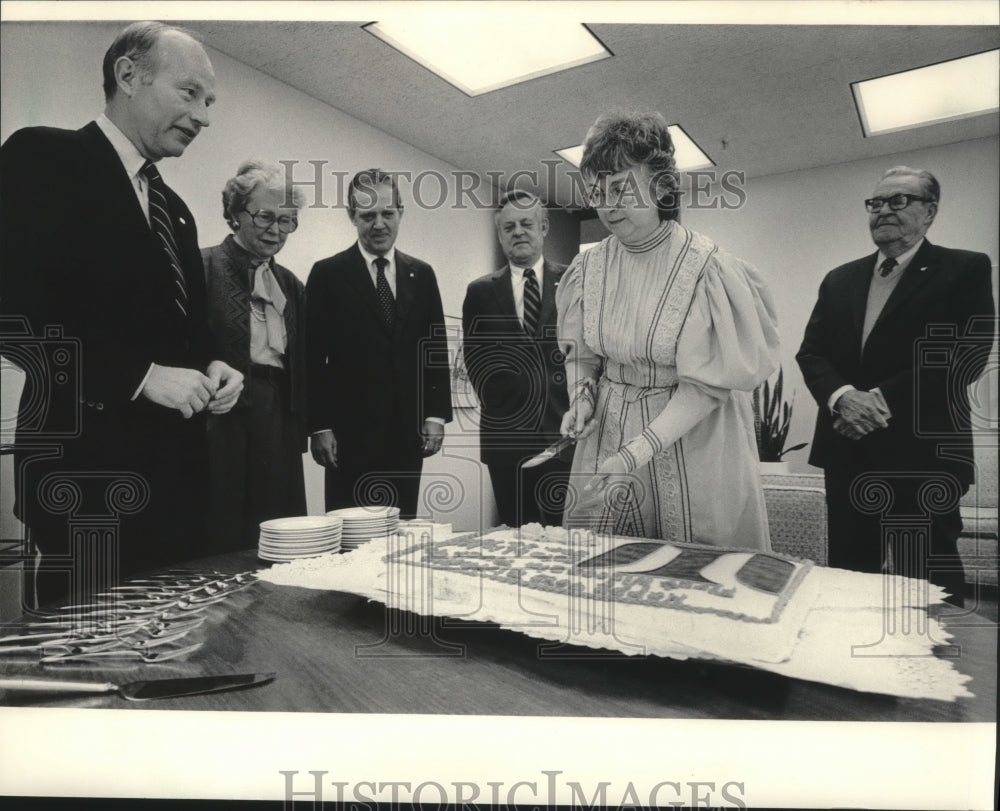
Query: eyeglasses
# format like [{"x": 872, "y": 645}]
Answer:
[
  {"x": 896, "y": 203},
  {"x": 265, "y": 219}
]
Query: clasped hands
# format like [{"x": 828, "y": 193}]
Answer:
[
  {"x": 189, "y": 391},
  {"x": 860, "y": 413}
]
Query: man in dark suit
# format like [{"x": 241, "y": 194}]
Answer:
[
  {"x": 892, "y": 343},
  {"x": 104, "y": 282},
  {"x": 379, "y": 391},
  {"x": 514, "y": 363}
]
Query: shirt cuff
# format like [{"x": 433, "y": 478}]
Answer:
[
  {"x": 322, "y": 431},
  {"x": 836, "y": 396},
  {"x": 142, "y": 385},
  {"x": 438, "y": 420}
]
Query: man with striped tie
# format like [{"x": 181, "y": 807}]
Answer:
[
  {"x": 514, "y": 363},
  {"x": 102, "y": 270}
]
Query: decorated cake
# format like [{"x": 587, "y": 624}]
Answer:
[{"x": 579, "y": 589}]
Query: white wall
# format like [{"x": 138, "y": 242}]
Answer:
[
  {"x": 51, "y": 75},
  {"x": 796, "y": 227}
]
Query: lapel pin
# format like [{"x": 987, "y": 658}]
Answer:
[
  {"x": 923, "y": 269},
  {"x": 182, "y": 221}
]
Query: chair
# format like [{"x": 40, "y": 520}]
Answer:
[
  {"x": 977, "y": 545},
  {"x": 796, "y": 513}
]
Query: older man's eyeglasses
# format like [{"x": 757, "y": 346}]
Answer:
[
  {"x": 896, "y": 203},
  {"x": 265, "y": 219}
]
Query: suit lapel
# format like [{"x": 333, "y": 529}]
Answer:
[
  {"x": 106, "y": 165},
  {"x": 360, "y": 279},
  {"x": 858, "y": 284},
  {"x": 503, "y": 293},
  {"x": 916, "y": 275},
  {"x": 406, "y": 285}
]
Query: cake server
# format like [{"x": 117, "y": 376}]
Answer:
[
  {"x": 141, "y": 690},
  {"x": 550, "y": 452}
]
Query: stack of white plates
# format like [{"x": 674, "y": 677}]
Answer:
[
  {"x": 361, "y": 524},
  {"x": 304, "y": 536}
]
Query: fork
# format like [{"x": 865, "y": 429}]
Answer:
[{"x": 74, "y": 653}]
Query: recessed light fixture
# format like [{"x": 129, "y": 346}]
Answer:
[
  {"x": 687, "y": 153},
  {"x": 958, "y": 88},
  {"x": 478, "y": 57}
]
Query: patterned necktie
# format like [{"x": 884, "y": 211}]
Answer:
[
  {"x": 386, "y": 302},
  {"x": 887, "y": 267},
  {"x": 159, "y": 221},
  {"x": 532, "y": 302}
]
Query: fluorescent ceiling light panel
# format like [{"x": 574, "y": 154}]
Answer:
[
  {"x": 477, "y": 58},
  {"x": 687, "y": 153},
  {"x": 959, "y": 88},
  {"x": 572, "y": 154}
]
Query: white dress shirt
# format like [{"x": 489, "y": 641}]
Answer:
[{"x": 131, "y": 159}]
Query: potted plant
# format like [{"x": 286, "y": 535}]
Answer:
[{"x": 772, "y": 418}]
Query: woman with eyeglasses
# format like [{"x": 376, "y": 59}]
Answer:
[{"x": 255, "y": 312}]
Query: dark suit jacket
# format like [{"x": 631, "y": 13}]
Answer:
[
  {"x": 80, "y": 257},
  {"x": 922, "y": 378},
  {"x": 366, "y": 383},
  {"x": 519, "y": 379}
]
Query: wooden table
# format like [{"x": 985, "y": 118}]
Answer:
[{"x": 332, "y": 653}]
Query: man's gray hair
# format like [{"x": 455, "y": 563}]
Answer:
[
  {"x": 522, "y": 201},
  {"x": 930, "y": 183},
  {"x": 250, "y": 176}
]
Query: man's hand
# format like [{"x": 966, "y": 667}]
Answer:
[
  {"x": 433, "y": 437},
  {"x": 323, "y": 447},
  {"x": 862, "y": 412},
  {"x": 845, "y": 429},
  {"x": 186, "y": 390},
  {"x": 228, "y": 385}
]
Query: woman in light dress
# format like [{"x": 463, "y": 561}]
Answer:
[{"x": 666, "y": 336}]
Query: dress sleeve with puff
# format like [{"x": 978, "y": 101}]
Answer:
[
  {"x": 729, "y": 341},
  {"x": 583, "y": 366}
]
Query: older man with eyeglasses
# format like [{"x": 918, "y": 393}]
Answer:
[{"x": 893, "y": 342}]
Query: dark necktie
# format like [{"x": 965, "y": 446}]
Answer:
[
  {"x": 532, "y": 302},
  {"x": 386, "y": 302},
  {"x": 159, "y": 221},
  {"x": 887, "y": 267}
]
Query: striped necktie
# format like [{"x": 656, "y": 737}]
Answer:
[
  {"x": 532, "y": 302},
  {"x": 887, "y": 267},
  {"x": 159, "y": 221},
  {"x": 386, "y": 301}
]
